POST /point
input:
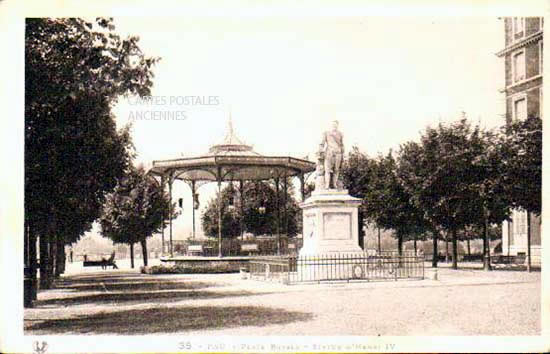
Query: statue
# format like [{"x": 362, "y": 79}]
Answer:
[
  {"x": 330, "y": 214},
  {"x": 333, "y": 151}
]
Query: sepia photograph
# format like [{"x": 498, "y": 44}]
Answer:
[{"x": 208, "y": 178}]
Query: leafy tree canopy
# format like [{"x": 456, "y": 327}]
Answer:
[
  {"x": 387, "y": 202},
  {"x": 257, "y": 195},
  {"x": 521, "y": 147},
  {"x": 441, "y": 176},
  {"x": 135, "y": 210},
  {"x": 74, "y": 72}
]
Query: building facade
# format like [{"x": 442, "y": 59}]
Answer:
[{"x": 523, "y": 64}]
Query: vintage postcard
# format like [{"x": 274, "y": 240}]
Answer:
[{"x": 215, "y": 177}]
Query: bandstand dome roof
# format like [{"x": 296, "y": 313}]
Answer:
[{"x": 231, "y": 160}]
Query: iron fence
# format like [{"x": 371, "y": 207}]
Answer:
[{"x": 367, "y": 266}]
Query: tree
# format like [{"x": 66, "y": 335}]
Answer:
[
  {"x": 356, "y": 174},
  {"x": 134, "y": 211},
  {"x": 495, "y": 203},
  {"x": 473, "y": 232},
  {"x": 390, "y": 205},
  {"x": 522, "y": 155},
  {"x": 260, "y": 214},
  {"x": 385, "y": 201},
  {"x": 259, "y": 211},
  {"x": 74, "y": 72},
  {"x": 230, "y": 218},
  {"x": 468, "y": 234},
  {"x": 442, "y": 177}
]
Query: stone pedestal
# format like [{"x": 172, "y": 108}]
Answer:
[
  {"x": 331, "y": 237},
  {"x": 330, "y": 223}
]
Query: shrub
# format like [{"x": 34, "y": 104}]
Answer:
[{"x": 192, "y": 268}]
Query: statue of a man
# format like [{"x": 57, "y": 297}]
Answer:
[{"x": 333, "y": 143}]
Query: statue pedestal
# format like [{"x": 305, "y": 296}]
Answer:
[
  {"x": 331, "y": 237},
  {"x": 330, "y": 223}
]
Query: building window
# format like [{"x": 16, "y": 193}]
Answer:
[
  {"x": 518, "y": 66},
  {"x": 519, "y": 25},
  {"x": 520, "y": 108}
]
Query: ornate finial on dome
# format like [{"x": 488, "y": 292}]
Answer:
[
  {"x": 231, "y": 145},
  {"x": 230, "y": 136}
]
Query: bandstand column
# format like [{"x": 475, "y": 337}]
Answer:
[
  {"x": 302, "y": 186},
  {"x": 241, "y": 193},
  {"x": 170, "y": 181},
  {"x": 163, "y": 212},
  {"x": 278, "y": 216},
  {"x": 285, "y": 202},
  {"x": 193, "y": 191},
  {"x": 219, "y": 177}
]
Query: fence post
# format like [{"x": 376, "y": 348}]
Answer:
[
  {"x": 288, "y": 270},
  {"x": 396, "y": 268},
  {"x": 423, "y": 274}
]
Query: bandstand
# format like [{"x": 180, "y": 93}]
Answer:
[{"x": 230, "y": 161}]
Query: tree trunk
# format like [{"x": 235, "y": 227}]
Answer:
[
  {"x": 132, "y": 255},
  {"x": 379, "y": 246},
  {"x": 44, "y": 260},
  {"x": 400, "y": 245},
  {"x": 455, "y": 250},
  {"x": 447, "y": 248},
  {"x": 414, "y": 242},
  {"x": 29, "y": 281},
  {"x": 486, "y": 245},
  {"x": 435, "y": 255},
  {"x": 60, "y": 257},
  {"x": 484, "y": 242},
  {"x": 360, "y": 228},
  {"x": 529, "y": 241},
  {"x": 53, "y": 254},
  {"x": 144, "y": 251},
  {"x": 33, "y": 265},
  {"x": 26, "y": 240},
  {"x": 52, "y": 249},
  {"x": 468, "y": 245},
  {"x": 400, "y": 249}
]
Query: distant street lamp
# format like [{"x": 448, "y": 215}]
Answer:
[
  {"x": 231, "y": 202},
  {"x": 261, "y": 208}
]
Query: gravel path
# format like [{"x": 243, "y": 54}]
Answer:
[{"x": 460, "y": 303}]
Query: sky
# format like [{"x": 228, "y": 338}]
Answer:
[{"x": 283, "y": 79}]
